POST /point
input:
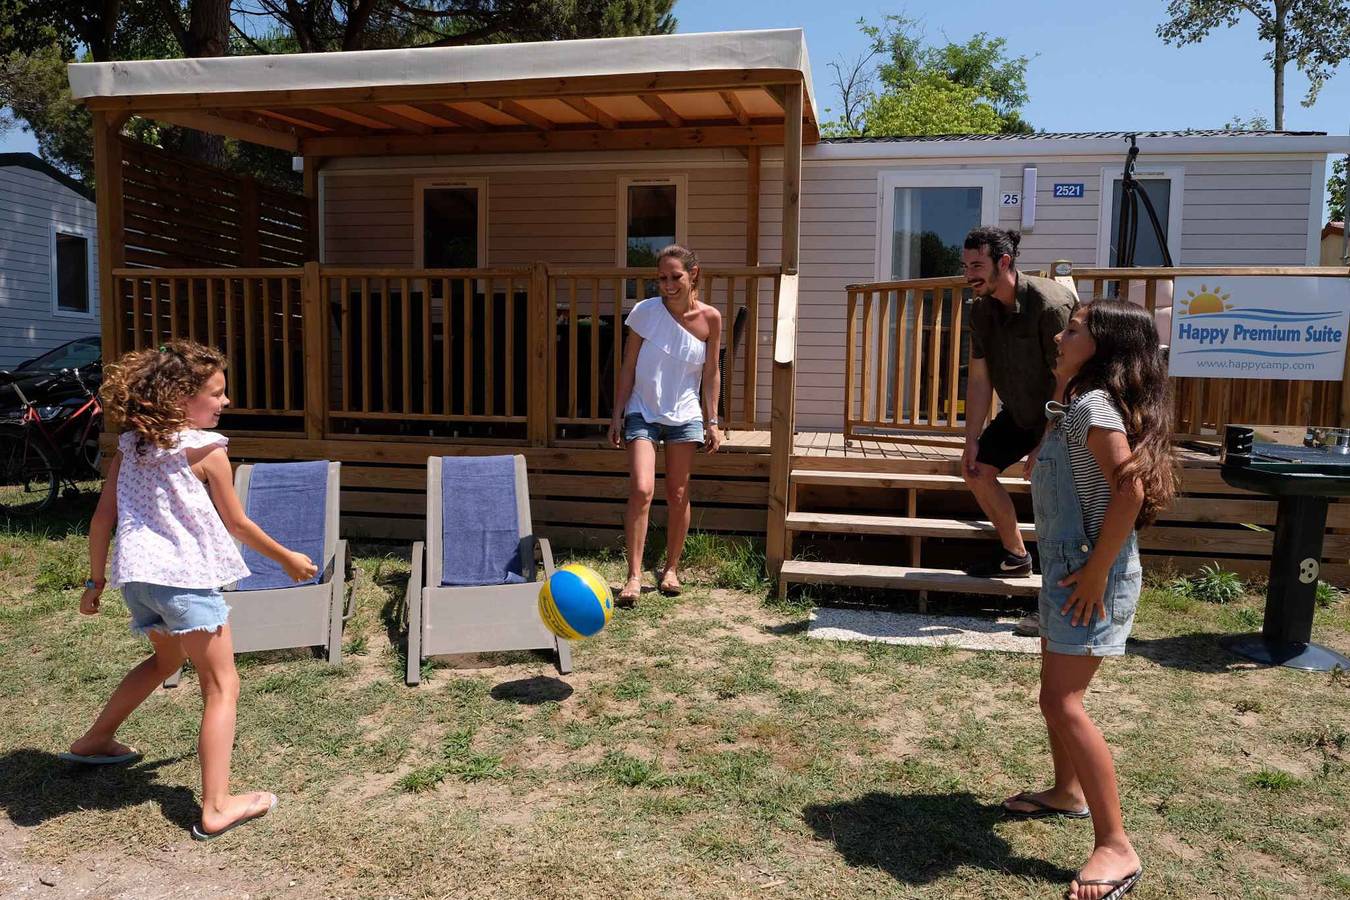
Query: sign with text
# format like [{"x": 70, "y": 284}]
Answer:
[
  {"x": 1285, "y": 328},
  {"x": 1063, "y": 190}
]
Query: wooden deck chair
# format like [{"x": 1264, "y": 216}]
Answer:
[
  {"x": 447, "y": 615},
  {"x": 268, "y": 611}
]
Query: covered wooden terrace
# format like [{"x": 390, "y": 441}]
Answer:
[{"x": 385, "y": 366}]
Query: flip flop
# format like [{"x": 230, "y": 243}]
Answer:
[
  {"x": 102, "y": 759},
  {"x": 199, "y": 835},
  {"x": 1119, "y": 886},
  {"x": 1043, "y": 810}
]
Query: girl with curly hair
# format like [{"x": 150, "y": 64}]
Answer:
[
  {"x": 170, "y": 493},
  {"x": 1105, "y": 468}
]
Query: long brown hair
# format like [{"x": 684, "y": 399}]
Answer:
[
  {"x": 146, "y": 391},
  {"x": 1129, "y": 366}
]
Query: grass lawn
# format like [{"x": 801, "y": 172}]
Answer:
[{"x": 704, "y": 747}]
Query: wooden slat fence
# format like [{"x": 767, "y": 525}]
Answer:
[
  {"x": 907, "y": 346},
  {"x": 185, "y": 215}
]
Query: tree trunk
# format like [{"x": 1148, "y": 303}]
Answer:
[
  {"x": 208, "y": 34},
  {"x": 1279, "y": 60}
]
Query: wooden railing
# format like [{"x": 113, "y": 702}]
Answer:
[
  {"x": 511, "y": 353},
  {"x": 589, "y": 350},
  {"x": 254, "y": 316},
  {"x": 907, "y": 346},
  {"x": 447, "y": 345}
]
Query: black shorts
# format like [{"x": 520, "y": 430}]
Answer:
[{"x": 1003, "y": 442}]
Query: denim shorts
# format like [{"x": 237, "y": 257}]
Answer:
[
  {"x": 636, "y": 428},
  {"x": 1100, "y": 637},
  {"x": 173, "y": 610}
]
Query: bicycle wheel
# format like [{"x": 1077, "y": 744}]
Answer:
[{"x": 28, "y": 480}]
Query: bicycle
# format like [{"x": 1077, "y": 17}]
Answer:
[{"x": 48, "y": 447}]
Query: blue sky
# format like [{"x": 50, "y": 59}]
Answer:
[{"x": 1104, "y": 70}]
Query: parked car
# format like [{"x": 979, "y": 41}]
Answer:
[{"x": 46, "y": 381}]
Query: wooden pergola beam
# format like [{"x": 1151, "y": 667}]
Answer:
[
  {"x": 530, "y": 88},
  {"x": 244, "y": 131},
  {"x": 305, "y": 118},
  {"x": 525, "y": 142},
  {"x": 392, "y": 118},
  {"x": 662, "y": 109},
  {"x": 592, "y": 112},
  {"x": 467, "y": 119},
  {"x": 737, "y": 108},
  {"x": 517, "y": 110}
]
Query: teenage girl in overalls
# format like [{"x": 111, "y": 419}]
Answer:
[{"x": 1104, "y": 469}]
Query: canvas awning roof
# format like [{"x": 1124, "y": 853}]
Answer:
[{"x": 723, "y": 89}]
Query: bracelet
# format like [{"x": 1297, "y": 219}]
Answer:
[{"x": 95, "y": 584}]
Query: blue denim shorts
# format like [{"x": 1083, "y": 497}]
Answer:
[
  {"x": 636, "y": 428},
  {"x": 1100, "y": 637},
  {"x": 173, "y": 610}
]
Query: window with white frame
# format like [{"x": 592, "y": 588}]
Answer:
[
  {"x": 450, "y": 223},
  {"x": 1163, "y": 186},
  {"x": 652, "y": 214},
  {"x": 72, "y": 268},
  {"x": 924, "y": 218}
]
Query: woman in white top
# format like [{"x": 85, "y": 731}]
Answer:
[{"x": 669, "y": 362}]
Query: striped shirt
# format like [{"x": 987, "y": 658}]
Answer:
[{"x": 1094, "y": 409}]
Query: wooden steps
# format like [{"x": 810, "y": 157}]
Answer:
[
  {"x": 897, "y": 526},
  {"x": 919, "y": 482},
  {"x": 797, "y": 571}
]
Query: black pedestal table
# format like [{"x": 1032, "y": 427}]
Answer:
[{"x": 1302, "y": 479}]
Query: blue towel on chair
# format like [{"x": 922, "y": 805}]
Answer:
[
  {"x": 480, "y": 531},
  {"x": 288, "y": 501}
]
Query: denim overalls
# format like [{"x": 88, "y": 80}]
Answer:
[{"x": 1064, "y": 548}]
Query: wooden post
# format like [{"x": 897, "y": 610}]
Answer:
[
  {"x": 111, "y": 237},
  {"x": 312, "y": 166},
  {"x": 539, "y": 331},
  {"x": 782, "y": 425},
  {"x": 250, "y": 221},
  {"x": 1344, "y": 421},
  {"x": 752, "y": 156},
  {"x": 316, "y": 353}
]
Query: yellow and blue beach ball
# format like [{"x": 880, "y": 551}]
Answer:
[{"x": 575, "y": 602}]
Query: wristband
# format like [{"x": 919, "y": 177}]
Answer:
[{"x": 91, "y": 584}]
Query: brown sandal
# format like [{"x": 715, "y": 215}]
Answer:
[
  {"x": 666, "y": 589},
  {"x": 626, "y": 597}
]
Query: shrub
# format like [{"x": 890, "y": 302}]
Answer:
[{"x": 1215, "y": 585}]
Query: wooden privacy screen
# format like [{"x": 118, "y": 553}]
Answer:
[
  {"x": 255, "y": 318},
  {"x": 907, "y": 347},
  {"x": 186, "y": 215}
]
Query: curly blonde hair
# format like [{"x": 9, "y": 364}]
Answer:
[{"x": 146, "y": 391}]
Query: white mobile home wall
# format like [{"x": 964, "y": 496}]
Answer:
[
  {"x": 1253, "y": 208},
  {"x": 32, "y": 204}
]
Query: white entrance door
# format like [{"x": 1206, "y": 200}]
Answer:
[{"x": 923, "y": 222}]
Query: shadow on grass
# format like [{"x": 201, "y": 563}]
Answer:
[
  {"x": 1197, "y": 652},
  {"x": 35, "y": 786},
  {"x": 920, "y": 838},
  {"x": 533, "y": 691}
]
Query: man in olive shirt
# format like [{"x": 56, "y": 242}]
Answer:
[{"x": 1013, "y": 324}]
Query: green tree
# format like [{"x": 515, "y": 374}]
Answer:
[
  {"x": 903, "y": 86},
  {"x": 1336, "y": 190},
  {"x": 1312, "y": 34}
]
